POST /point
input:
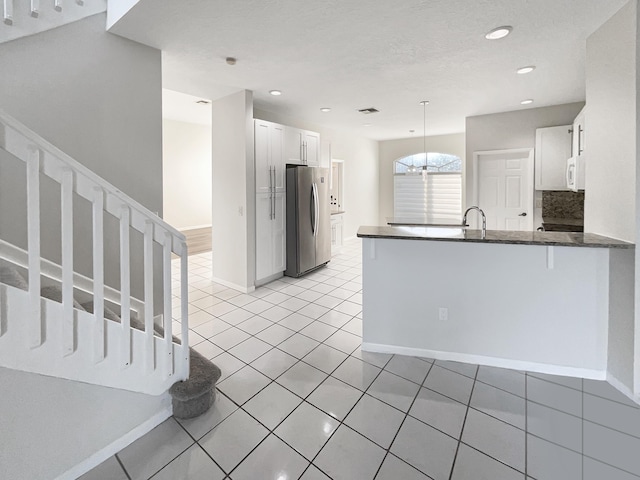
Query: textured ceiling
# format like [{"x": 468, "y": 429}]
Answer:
[
  {"x": 184, "y": 108},
  {"x": 353, "y": 54}
]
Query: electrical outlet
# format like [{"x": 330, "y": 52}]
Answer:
[
  {"x": 443, "y": 314},
  {"x": 538, "y": 203}
]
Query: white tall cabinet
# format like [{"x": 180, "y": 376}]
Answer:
[{"x": 270, "y": 200}]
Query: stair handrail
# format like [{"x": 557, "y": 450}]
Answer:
[{"x": 39, "y": 156}]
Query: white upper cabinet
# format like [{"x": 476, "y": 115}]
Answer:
[
  {"x": 302, "y": 147},
  {"x": 578, "y": 142},
  {"x": 269, "y": 156},
  {"x": 553, "y": 148}
]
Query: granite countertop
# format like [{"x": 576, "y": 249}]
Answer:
[{"x": 562, "y": 239}]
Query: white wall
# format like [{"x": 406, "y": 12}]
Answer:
[
  {"x": 610, "y": 127},
  {"x": 391, "y": 150},
  {"x": 186, "y": 174},
  {"x": 611, "y": 156},
  {"x": 97, "y": 97},
  {"x": 361, "y": 180},
  {"x": 233, "y": 194},
  {"x": 516, "y": 129}
]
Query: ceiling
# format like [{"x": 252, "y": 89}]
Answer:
[
  {"x": 185, "y": 108},
  {"x": 354, "y": 54}
]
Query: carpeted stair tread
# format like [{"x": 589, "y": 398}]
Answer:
[
  {"x": 54, "y": 293},
  {"x": 195, "y": 396},
  {"x": 111, "y": 315},
  {"x": 11, "y": 276},
  {"x": 108, "y": 313}
]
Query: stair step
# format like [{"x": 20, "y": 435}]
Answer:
[
  {"x": 53, "y": 292},
  {"x": 11, "y": 276},
  {"x": 195, "y": 396}
]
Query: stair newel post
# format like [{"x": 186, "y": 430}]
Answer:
[
  {"x": 33, "y": 243},
  {"x": 148, "y": 297},
  {"x": 166, "y": 296},
  {"x": 98, "y": 273},
  {"x": 184, "y": 308},
  {"x": 7, "y": 14},
  {"x": 66, "y": 220},
  {"x": 125, "y": 285}
]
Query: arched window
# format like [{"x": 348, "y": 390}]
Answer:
[{"x": 428, "y": 185}]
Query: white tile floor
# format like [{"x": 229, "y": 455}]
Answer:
[{"x": 299, "y": 400}]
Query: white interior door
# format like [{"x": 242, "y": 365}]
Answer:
[{"x": 504, "y": 188}]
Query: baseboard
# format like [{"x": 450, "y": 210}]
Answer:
[
  {"x": 488, "y": 361},
  {"x": 269, "y": 279},
  {"x": 622, "y": 388},
  {"x": 100, "y": 456},
  {"x": 235, "y": 286}
]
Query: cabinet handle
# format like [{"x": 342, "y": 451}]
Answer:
[
  {"x": 273, "y": 194},
  {"x": 580, "y": 132}
]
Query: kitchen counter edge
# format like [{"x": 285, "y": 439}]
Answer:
[{"x": 560, "y": 239}]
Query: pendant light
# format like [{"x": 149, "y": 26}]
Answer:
[
  {"x": 424, "y": 104},
  {"x": 413, "y": 169}
]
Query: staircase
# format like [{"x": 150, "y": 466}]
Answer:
[
  {"x": 27, "y": 17},
  {"x": 62, "y": 339}
]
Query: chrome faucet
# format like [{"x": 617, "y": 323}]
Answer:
[{"x": 484, "y": 219}]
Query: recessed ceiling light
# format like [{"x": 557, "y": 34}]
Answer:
[
  {"x": 527, "y": 69},
  {"x": 230, "y": 60},
  {"x": 498, "y": 33},
  {"x": 325, "y": 109},
  {"x": 366, "y": 124},
  {"x": 424, "y": 102},
  {"x": 203, "y": 102},
  {"x": 412, "y": 131},
  {"x": 275, "y": 92},
  {"x": 528, "y": 101}
]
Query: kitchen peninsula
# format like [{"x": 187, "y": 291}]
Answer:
[{"x": 537, "y": 301}]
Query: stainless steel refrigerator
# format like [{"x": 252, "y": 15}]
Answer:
[{"x": 308, "y": 219}]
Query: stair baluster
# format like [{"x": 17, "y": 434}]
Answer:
[
  {"x": 149, "y": 354},
  {"x": 7, "y": 14},
  {"x": 33, "y": 243},
  {"x": 166, "y": 317},
  {"x": 125, "y": 285},
  {"x": 66, "y": 219},
  {"x": 98, "y": 273}
]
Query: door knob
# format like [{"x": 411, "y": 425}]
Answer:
[{"x": 523, "y": 214}]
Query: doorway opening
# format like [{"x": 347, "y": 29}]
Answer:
[{"x": 186, "y": 167}]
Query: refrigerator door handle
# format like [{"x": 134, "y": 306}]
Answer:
[
  {"x": 312, "y": 206},
  {"x": 317, "y": 209}
]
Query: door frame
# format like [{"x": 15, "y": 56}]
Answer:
[{"x": 530, "y": 166}]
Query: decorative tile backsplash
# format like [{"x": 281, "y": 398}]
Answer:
[{"x": 563, "y": 204}]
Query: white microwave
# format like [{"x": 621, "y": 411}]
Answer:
[{"x": 575, "y": 173}]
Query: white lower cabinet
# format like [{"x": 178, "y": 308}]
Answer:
[
  {"x": 337, "y": 223},
  {"x": 270, "y": 236}
]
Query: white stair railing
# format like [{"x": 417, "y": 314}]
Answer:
[
  {"x": 26, "y": 17},
  {"x": 42, "y": 158}
]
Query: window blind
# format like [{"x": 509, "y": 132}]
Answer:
[{"x": 438, "y": 195}]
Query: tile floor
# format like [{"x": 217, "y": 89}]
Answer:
[{"x": 299, "y": 400}]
